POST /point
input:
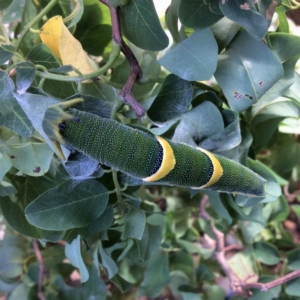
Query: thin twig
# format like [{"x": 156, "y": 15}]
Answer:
[
  {"x": 239, "y": 287},
  {"x": 135, "y": 70},
  {"x": 41, "y": 268},
  {"x": 266, "y": 286}
]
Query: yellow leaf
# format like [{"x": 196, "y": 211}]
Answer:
[{"x": 64, "y": 46}]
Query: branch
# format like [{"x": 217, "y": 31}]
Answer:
[
  {"x": 264, "y": 287},
  {"x": 41, "y": 268},
  {"x": 238, "y": 286},
  {"x": 135, "y": 70}
]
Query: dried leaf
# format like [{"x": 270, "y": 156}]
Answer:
[{"x": 64, "y": 46}]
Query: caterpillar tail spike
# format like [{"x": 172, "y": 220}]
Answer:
[
  {"x": 150, "y": 158},
  {"x": 54, "y": 116}
]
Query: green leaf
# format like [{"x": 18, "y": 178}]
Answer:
[
  {"x": 42, "y": 55},
  {"x": 197, "y": 14},
  {"x": 68, "y": 206},
  {"x": 171, "y": 18},
  {"x": 290, "y": 146},
  {"x": 93, "y": 30},
  {"x": 198, "y": 59},
  {"x": 183, "y": 262},
  {"x": 35, "y": 112},
  {"x": 293, "y": 258},
  {"x": 30, "y": 158},
  {"x": 21, "y": 291},
  {"x": 6, "y": 53},
  {"x": 244, "y": 13},
  {"x": 25, "y": 75},
  {"x": 29, "y": 188},
  {"x": 150, "y": 241},
  {"x": 173, "y": 99},
  {"x": 73, "y": 253},
  {"x": 267, "y": 8},
  {"x": 107, "y": 262},
  {"x": 246, "y": 60},
  {"x": 276, "y": 210},
  {"x": 156, "y": 276},
  {"x": 11, "y": 261},
  {"x": 296, "y": 209},
  {"x": 292, "y": 287},
  {"x": 266, "y": 253},
  {"x": 251, "y": 229},
  {"x": 291, "y": 42},
  {"x": 102, "y": 223},
  {"x": 94, "y": 287},
  {"x": 11, "y": 114},
  {"x": 134, "y": 223},
  {"x": 14, "y": 11},
  {"x": 224, "y": 31},
  {"x": 218, "y": 206},
  {"x": 140, "y": 25},
  {"x": 5, "y": 3},
  {"x": 242, "y": 264},
  {"x": 198, "y": 124}
]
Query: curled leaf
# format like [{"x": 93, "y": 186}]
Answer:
[{"x": 64, "y": 46}]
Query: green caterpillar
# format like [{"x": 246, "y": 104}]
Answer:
[{"x": 142, "y": 155}]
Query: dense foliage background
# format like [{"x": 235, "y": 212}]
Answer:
[{"x": 219, "y": 80}]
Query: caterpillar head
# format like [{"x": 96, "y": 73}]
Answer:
[{"x": 53, "y": 123}]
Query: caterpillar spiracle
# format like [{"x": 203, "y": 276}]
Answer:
[{"x": 145, "y": 156}]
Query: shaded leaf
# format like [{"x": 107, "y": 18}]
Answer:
[
  {"x": 102, "y": 223},
  {"x": 29, "y": 188},
  {"x": 94, "y": 287},
  {"x": 5, "y": 3},
  {"x": 11, "y": 114},
  {"x": 67, "y": 205},
  {"x": 199, "y": 124},
  {"x": 292, "y": 287},
  {"x": 171, "y": 18},
  {"x": 198, "y": 59},
  {"x": 266, "y": 253},
  {"x": 140, "y": 25},
  {"x": 293, "y": 257},
  {"x": 197, "y": 14},
  {"x": 245, "y": 14},
  {"x": 25, "y": 75},
  {"x": 173, "y": 99},
  {"x": 6, "y": 53},
  {"x": 156, "y": 275},
  {"x": 134, "y": 223}
]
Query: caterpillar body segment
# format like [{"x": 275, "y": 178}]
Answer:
[{"x": 151, "y": 158}]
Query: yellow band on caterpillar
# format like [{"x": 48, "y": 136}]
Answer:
[
  {"x": 217, "y": 172},
  {"x": 168, "y": 162}
]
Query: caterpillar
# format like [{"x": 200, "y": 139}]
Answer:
[{"x": 145, "y": 156}]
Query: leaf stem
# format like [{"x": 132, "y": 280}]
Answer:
[
  {"x": 37, "y": 18},
  {"x": 73, "y": 13},
  {"x": 113, "y": 56},
  {"x": 118, "y": 190},
  {"x": 3, "y": 29}
]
